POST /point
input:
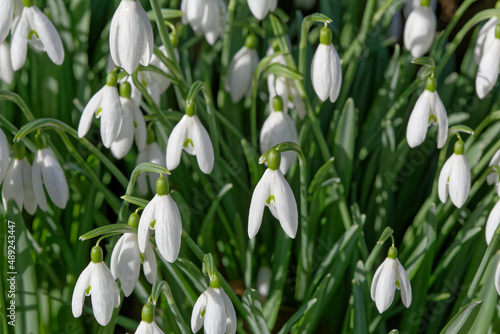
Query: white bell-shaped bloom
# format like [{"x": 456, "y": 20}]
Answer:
[
  {"x": 279, "y": 128},
  {"x": 4, "y": 155},
  {"x": 215, "y": 312},
  {"x": 420, "y": 29},
  {"x": 34, "y": 27},
  {"x": 6, "y": 16},
  {"x": 304, "y": 4},
  {"x": 131, "y": 37},
  {"x": 96, "y": 281},
  {"x": 161, "y": 215},
  {"x": 390, "y": 276},
  {"x": 148, "y": 328},
  {"x": 162, "y": 81},
  {"x": 274, "y": 192},
  {"x": 207, "y": 17},
  {"x": 241, "y": 70},
  {"x": 17, "y": 183},
  {"x": 429, "y": 109},
  {"x": 492, "y": 222},
  {"x": 492, "y": 179},
  {"x": 489, "y": 63},
  {"x": 6, "y": 70},
  {"x": 105, "y": 104},
  {"x": 48, "y": 172},
  {"x": 260, "y": 8},
  {"x": 126, "y": 262},
  {"x": 326, "y": 71},
  {"x": 151, "y": 153},
  {"x": 190, "y": 135},
  {"x": 264, "y": 277},
  {"x": 497, "y": 278},
  {"x": 485, "y": 37},
  {"x": 133, "y": 125},
  {"x": 455, "y": 178}
]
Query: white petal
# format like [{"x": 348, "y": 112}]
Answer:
[
  {"x": 148, "y": 36},
  {"x": 131, "y": 43},
  {"x": 110, "y": 115},
  {"x": 88, "y": 113},
  {"x": 82, "y": 284},
  {"x": 322, "y": 70},
  {"x": 175, "y": 143},
  {"x": 6, "y": 15},
  {"x": 459, "y": 184},
  {"x": 4, "y": 155},
  {"x": 12, "y": 184},
  {"x": 404, "y": 282},
  {"x": 231, "y": 323},
  {"x": 6, "y": 70},
  {"x": 129, "y": 263},
  {"x": 386, "y": 286},
  {"x": 48, "y": 36},
  {"x": 30, "y": 202},
  {"x": 492, "y": 222},
  {"x": 193, "y": 13},
  {"x": 123, "y": 141},
  {"x": 264, "y": 277},
  {"x": 375, "y": 280},
  {"x": 495, "y": 161},
  {"x": 140, "y": 131},
  {"x": 420, "y": 29},
  {"x": 444, "y": 176},
  {"x": 259, "y": 8},
  {"x": 147, "y": 217},
  {"x": 442, "y": 121},
  {"x": 149, "y": 266},
  {"x": 419, "y": 120},
  {"x": 487, "y": 73},
  {"x": 103, "y": 292},
  {"x": 54, "y": 179},
  {"x": 257, "y": 204},
  {"x": 196, "y": 318},
  {"x": 19, "y": 42},
  {"x": 336, "y": 74},
  {"x": 487, "y": 29},
  {"x": 114, "y": 257},
  {"x": 240, "y": 73},
  {"x": 202, "y": 146},
  {"x": 113, "y": 35},
  {"x": 285, "y": 204},
  {"x": 36, "y": 173},
  {"x": 215, "y": 315},
  {"x": 168, "y": 228}
]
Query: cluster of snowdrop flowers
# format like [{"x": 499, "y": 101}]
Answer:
[
  {"x": 487, "y": 56},
  {"x": 260, "y": 8},
  {"x": 241, "y": 70},
  {"x": 26, "y": 185},
  {"x": 429, "y": 109},
  {"x": 326, "y": 71},
  {"x": 207, "y": 17},
  {"x": 455, "y": 177},
  {"x": 420, "y": 29},
  {"x": 274, "y": 192},
  {"x": 390, "y": 276},
  {"x": 213, "y": 310}
]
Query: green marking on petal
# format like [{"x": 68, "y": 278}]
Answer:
[
  {"x": 202, "y": 314},
  {"x": 269, "y": 199},
  {"x": 31, "y": 33},
  {"x": 153, "y": 223},
  {"x": 187, "y": 142},
  {"x": 98, "y": 111},
  {"x": 135, "y": 125},
  {"x": 433, "y": 118},
  {"x": 398, "y": 285},
  {"x": 142, "y": 257},
  {"x": 87, "y": 291}
]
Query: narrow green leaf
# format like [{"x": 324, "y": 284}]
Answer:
[
  {"x": 140, "y": 202},
  {"x": 167, "y": 13},
  {"x": 345, "y": 137},
  {"x": 301, "y": 312},
  {"x": 463, "y": 320},
  {"x": 251, "y": 302},
  {"x": 282, "y": 71},
  {"x": 108, "y": 229}
]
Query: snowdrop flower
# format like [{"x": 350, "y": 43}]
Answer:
[
  {"x": 304, "y": 4},
  {"x": 131, "y": 36},
  {"x": 17, "y": 183},
  {"x": 485, "y": 37},
  {"x": 274, "y": 192},
  {"x": 126, "y": 259},
  {"x": 6, "y": 15},
  {"x": 105, "y": 104},
  {"x": 279, "y": 128},
  {"x": 96, "y": 281},
  {"x": 455, "y": 177},
  {"x": 34, "y": 27},
  {"x": 6, "y": 70},
  {"x": 489, "y": 64},
  {"x": 132, "y": 125},
  {"x": 429, "y": 109},
  {"x": 493, "y": 177},
  {"x": 326, "y": 72},
  {"x": 213, "y": 310},
  {"x": 190, "y": 135},
  {"x": 151, "y": 153},
  {"x": 260, "y": 8},
  {"x": 162, "y": 215},
  {"x": 241, "y": 70},
  {"x": 162, "y": 81},
  {"x": 420, "y": 29},
  {"x": 206, "y": 17},
  {"x": 4, "y": 155},
  {"x": 147, "y": 325},
  {"x": 492, "y": 222},
  {"x": 390, "y": 276},
  {"x": 48, "y": 172}
]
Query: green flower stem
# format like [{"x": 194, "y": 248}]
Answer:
[
  {"x": 13, "y": 97},
  {"x": 450, "y": 50},
  {"x": 226, "y": 52}
]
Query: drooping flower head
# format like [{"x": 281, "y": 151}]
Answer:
[
  {"x": 326, "y": 71},
  {"x": 420, "y": 29},
  {"x": 455, "y": 177},
  {"x": 148, "y": 325},
  {"x": 274, "y": 192},
  {"x": 241, "y": 70},
  {"x": 161, "y": 215},
  {"x": 489, "y": 62},
  {"x": 429, "y": 109},
  {"x": 131, "y": 37},
  {"x": 34, "y": 27},
  {"x": 492, "y": 222},
  {"x": 390, "y": 276},
  {"x": 96, "y": 281},
  {"x": 260, "y": 8},
  {"x": 190, "y": 135},
  {"x": 207, "y": 17},
  {"x": 6, "y": 70}
]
